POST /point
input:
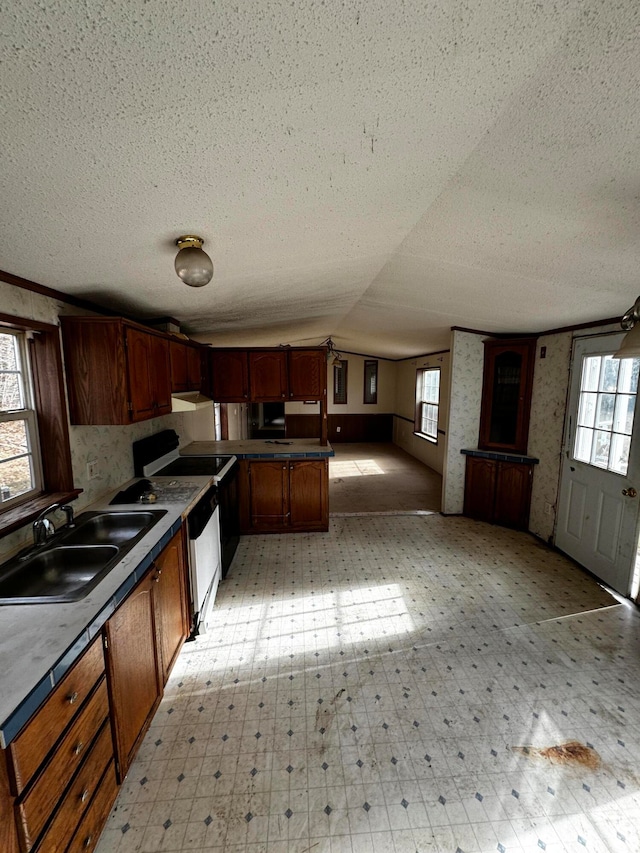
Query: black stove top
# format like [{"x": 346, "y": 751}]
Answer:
[{"x": 187, "y": 466}]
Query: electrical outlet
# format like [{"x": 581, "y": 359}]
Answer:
[
  {"x": 92, "y": 470},
  {"x": 338, "y": 429},
  {"x": 547, "y": 508}
]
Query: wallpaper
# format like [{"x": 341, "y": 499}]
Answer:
[
  {"x": 467, "y": 360},
  {"x": 548, "y": 401}
]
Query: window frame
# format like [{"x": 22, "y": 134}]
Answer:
[
  {"x": 49, "y": 402},
  {"x": 342, "y": 367},
  {"x": 420, "y": 402},
  {"x": 27, "y": 414},
  {"x": 369, "y": 397}
]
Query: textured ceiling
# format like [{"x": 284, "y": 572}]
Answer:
[{"x": 373, "y": 171}]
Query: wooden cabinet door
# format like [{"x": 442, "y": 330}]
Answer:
[
  {"x": 132, "y": 673},
  {"x": 268, "y": 376},
  {"x": 179, "y": 372},
  {"x": 160, "y": 374},
  {"x": 307, "y": 374},
  {"x": 269, "y": 495},
  {"x": 229, "y": 376},
  {"x": 506, "y": 394},
  {"x": 138, "y": 360},
  {"x": 308, "y": 494},
  {"x": 513, "y": 494},
  {"x": 194, "y": 368},
  {"x": 169, "y": 596},
  {"x": 479, "y": 488}
]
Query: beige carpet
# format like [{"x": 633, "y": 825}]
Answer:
[{"x": 380, "y": 477}]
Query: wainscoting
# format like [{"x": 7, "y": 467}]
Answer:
[{"x": 342, "y": 427}]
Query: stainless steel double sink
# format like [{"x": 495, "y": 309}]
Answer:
[{"x": 76, "y": 559}]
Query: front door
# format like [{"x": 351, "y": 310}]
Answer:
[{"x": 598, "y": 502}]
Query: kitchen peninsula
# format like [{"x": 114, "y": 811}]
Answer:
[{"x": 283, "y": 485}]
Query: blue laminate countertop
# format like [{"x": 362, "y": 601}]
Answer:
[
  {"x": 500, "y": 456},
  {"x": 249, "y": 448},
  {"x": 40, "y": 642}
]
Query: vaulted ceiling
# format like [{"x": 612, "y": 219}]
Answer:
[{"x": 373, "y": 171}]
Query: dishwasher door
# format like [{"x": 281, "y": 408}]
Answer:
[{"x": 204, "y": 563}]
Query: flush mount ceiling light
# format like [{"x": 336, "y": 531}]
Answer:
[
  {"x": 193, "y": 265},
  {"x": 630, "y": 347},
  {"x": 332, "y": 352}
]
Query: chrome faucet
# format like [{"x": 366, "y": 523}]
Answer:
[{"x": 43, "y": 528}]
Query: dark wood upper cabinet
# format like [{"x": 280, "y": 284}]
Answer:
[
  {"x": 117, "y": 372},
  {"x": 307, "y": 374},
  {"x": 506, "y": 394},
  {"x": 268, "y": 379},
  {"x": 185, "y": 366},
  {"x": 229, "y": 375},
  {"x": 160, "y": 374}
]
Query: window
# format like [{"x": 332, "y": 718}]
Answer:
[
  {"x": 35, "y": 458},
  {"x": 371, "y": 382},
  {"x": 20, "y": 472},
  {"x": 608, "y": 390},
  {"x": 340, "y": 382},
  {"x": 427, "y": 403}
]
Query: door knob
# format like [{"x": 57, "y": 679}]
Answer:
[{"x": 630, "y": 492}]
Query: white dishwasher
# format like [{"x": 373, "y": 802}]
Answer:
[{"x": 205, "y": 565}]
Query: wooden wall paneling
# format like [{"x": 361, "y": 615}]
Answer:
[{"x": 363, "y": 427}]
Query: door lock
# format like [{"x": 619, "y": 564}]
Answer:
[{"x": 630, "y": 492}]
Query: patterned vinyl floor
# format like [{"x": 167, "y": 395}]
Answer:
[{"x": 409, "y": 683}]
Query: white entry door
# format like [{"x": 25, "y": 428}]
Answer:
[{"x": 598, "y": 501}]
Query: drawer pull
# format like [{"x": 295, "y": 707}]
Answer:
[
  {"x": 84, "y": 796},
  {"x": 78, "y": 748},
  {"x": 87, "y": 842},
  {"x": 73, "y": 698}
]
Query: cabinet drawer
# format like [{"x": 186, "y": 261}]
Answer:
[
  {"x": 78, "y": 797},
  {"x": 29, "y": 749},
  {"x": 36, "y": 807},
  {"x": 88, "y": 832}
]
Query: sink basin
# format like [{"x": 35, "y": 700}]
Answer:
[
  {"x": 76, "y": 560},
  {"x": 111, "y": 528},
  {"x": 63, "y": 573}
]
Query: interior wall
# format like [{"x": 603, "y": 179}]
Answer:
[
  {"x": 465, "y": 378},
  {"x": 548, "y": 403},
  {"x": 109, "y": 446},
  {"x": 429, "y": 452}
]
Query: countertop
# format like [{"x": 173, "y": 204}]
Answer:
[
  {"x": 39, "y": 642},
  {"x": 289, "y": 448}
]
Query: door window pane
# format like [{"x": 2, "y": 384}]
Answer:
[
  {"x": 587, "y": 411},
  {"x": 591, "y": 373},
  {"x": 619, "y": 458},
  {"x": 582, "y": 450},
  {"x": 604, "y": 411},
  {"x": 609, "y": 373},
  {"x": 628, "y": 375},
  {"x": 623, "y": 420},
  {"x": 600, "y": 448}
]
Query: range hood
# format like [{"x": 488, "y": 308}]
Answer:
[{"x": 190, "y": 401}]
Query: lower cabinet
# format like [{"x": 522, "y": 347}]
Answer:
[
  {"x": 142, "y": 641},
  {"x": 132, "y": 670},
  {"x": 54, "y": 767},
  {"x": 280, "y": 495},
  {"x": 498, "y": 491},
  {"x": 59, "y": 777}
]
